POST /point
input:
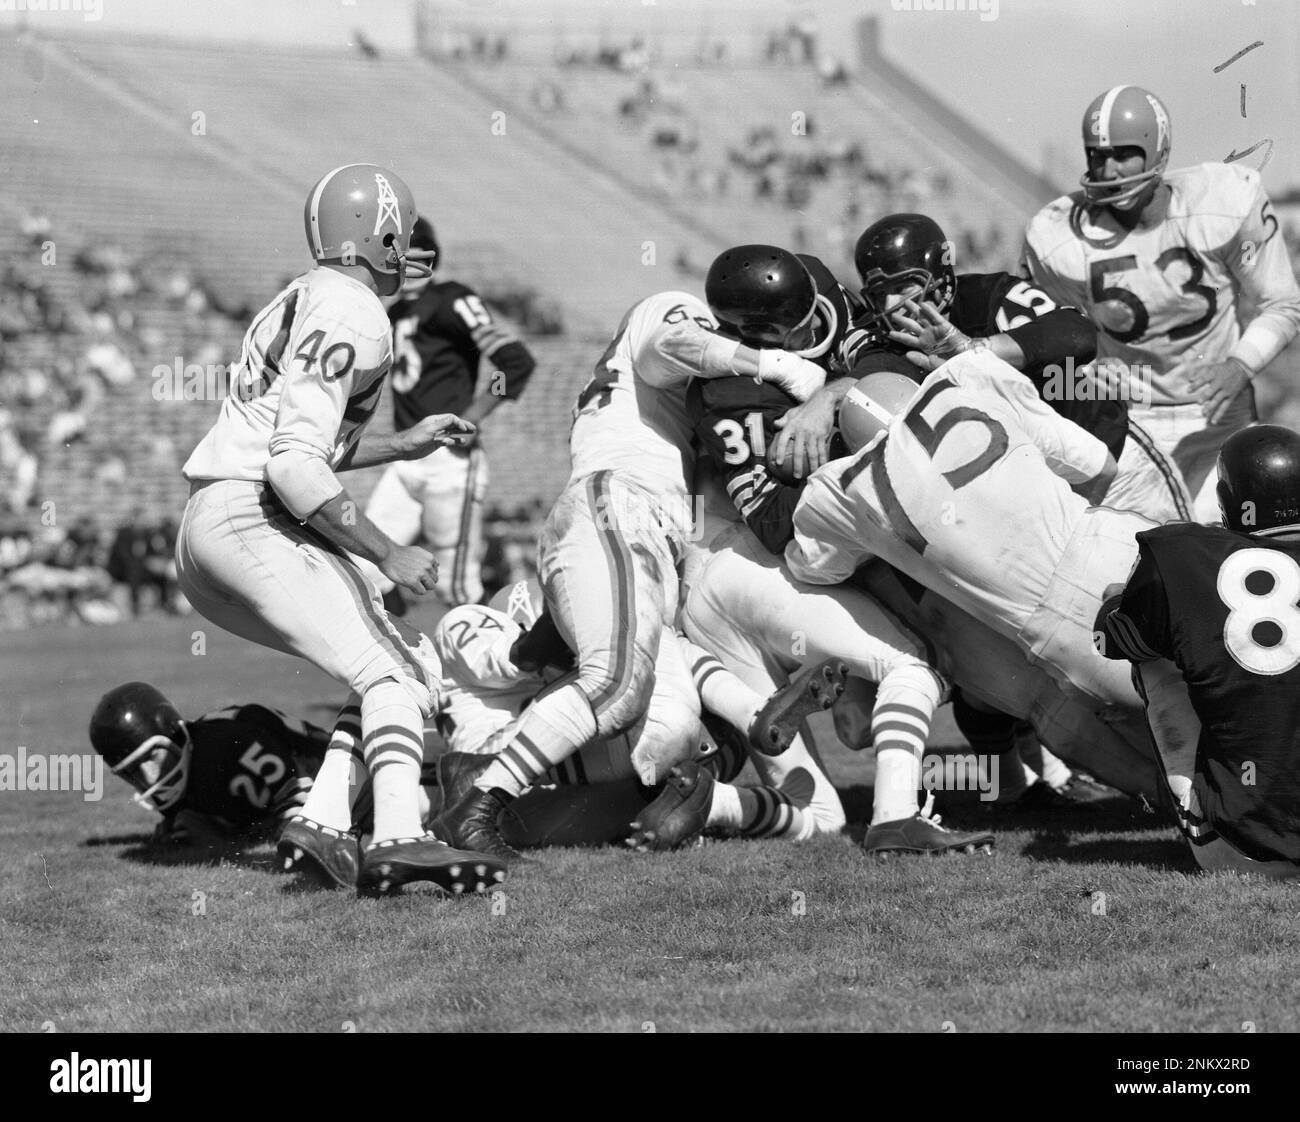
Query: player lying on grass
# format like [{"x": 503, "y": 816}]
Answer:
[{"x": 1209, "y": 619}]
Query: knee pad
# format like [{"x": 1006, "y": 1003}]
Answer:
[
  {"x": 424, "y": 696},
  {"x": 617, "y": 711}
]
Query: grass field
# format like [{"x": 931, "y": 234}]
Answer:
[{"x": 1091, "y": 921}]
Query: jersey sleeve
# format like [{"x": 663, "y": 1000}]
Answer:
[
  {"x": 1257, "y": 256},
  {"x": 468, "y": 317},
  {"x": 671, "y": 336},
  {"x": 1072, "y": 453},
  {"x": 826, "y": 548},
  {"x": 1135, "y": 624}
]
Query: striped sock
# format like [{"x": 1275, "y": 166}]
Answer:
[
  {"x": 549, "y": 732},
  {"x": 330, "y": 800},
  {"x": 769, "y": 813},
  {"x": 393, "y": 744},
  {"x": 720, "y": 691},
  {"x": 900, "y": 723}
]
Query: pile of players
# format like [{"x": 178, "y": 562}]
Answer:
[{"x": 785, "y": 497}]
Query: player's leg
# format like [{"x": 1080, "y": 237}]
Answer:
[
  {"x": 455, "y": 489},
  {"x": 272, "y": 575},
  {"x": 1148, "y": 481},
  {"x": 794, "y": 624},
  {"x": 610, "y": 583}
]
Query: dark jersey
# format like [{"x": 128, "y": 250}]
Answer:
[
  {"x": 1056, "y": 341},
  {"x": 1224, "y": 608},
  {"x": 438, "y": 340},
  {"x": 250, "y": 766},
  {"x": 735, "y": 420}
]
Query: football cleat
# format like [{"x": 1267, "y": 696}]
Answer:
[
  {"x": 923, "y": 834},
  {"x": 679, "y": 812},
  {"x": 457, "y": 772},
  {"x": 325, "y": 856},
  {"x": 1076, "y": 793},
  {"x": 812, "y": 689},
  {"x": 471, "y": 823},
  {"x": 387, "y": 865}
]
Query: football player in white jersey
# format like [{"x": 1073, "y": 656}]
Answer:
[
  {"x": 974, "y": 488},
  {"x": 262, "y": 550},
  {"x": 1159, "y": 260},
  {"x": 609, "y": 552}
]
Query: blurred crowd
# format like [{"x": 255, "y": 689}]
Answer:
[{"x": 86, "y": 572}]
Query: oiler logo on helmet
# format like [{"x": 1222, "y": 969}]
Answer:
[{"x": 388, "y": 208}]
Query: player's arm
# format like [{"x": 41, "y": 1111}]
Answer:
[
  {"x": 1262, "y": 265},
  {"x": 312, "y": 403},
  {"x": 674, "y": 339},
  {"x": 827, "y": 547},
  {"x": 1133, "y": 623},
  {"x": 513, "y": 363}
]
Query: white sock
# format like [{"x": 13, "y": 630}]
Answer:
[
  {"x": 551, "y": 729},
  {"x": 725, "y": 811},
  {"x": 720, "y": 691},
  {"x": 1056, "y": 772},
  {"x": 329, "y": 803}
]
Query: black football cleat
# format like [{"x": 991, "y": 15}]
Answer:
[
  {"x": 920, "y": 834},
  {"x": 387, "y": 865},
  {"x": 679, "y": 812},
  {"x": 471, "y": 823},
  {"x": 457, "y": 772},
  {"x": 324, "y": 856},
  {"x": 813, "y": 689}
]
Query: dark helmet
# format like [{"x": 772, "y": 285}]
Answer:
[
  {"x": 143, "y": 738},
  {"x": 425, "y": 251},
  {"x": 424, "y": 243},
  {"x": 899, "y": 252},
  {"x": 1259, "y": 479},
  {"x": 762, "y": 295}
]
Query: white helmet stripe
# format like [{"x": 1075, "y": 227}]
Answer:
[
  {"x": 313, "y": 209},
  {"x": 1103, "y": 115},
  {"x": 881, "y": 414}
]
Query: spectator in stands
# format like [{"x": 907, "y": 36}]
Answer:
[
  {"x": 126, "y": 559},
  {"x": 18, "y": 467}
]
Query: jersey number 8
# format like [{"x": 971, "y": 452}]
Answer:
[{"x": 1279, "y": 605}]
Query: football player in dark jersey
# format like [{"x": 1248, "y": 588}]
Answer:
[
  {"x": 442, "y": 331},
  {"x": 1210, "y": 617},
  {"x": 741, "y": 424},
  {"x": 236, "y": 771}
]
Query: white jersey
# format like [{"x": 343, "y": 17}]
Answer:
[
  {"x": 632, "y": 416},
  {"x": 968, "y": 493},
  {"x": 481, "y": 690},
  {"x": 1166, "y": 294},
  {"x": 309, "y": 377}
]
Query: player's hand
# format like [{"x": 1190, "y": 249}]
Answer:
[
  {"x": 805, "y": 436},
  {"x": 798, "y": 376},
  {"x": 439, "y": 430},
  {"x": 930, "y": 338},
  {"x": 411, "y": 567},
  {"x": 1216, "y": 384}
]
